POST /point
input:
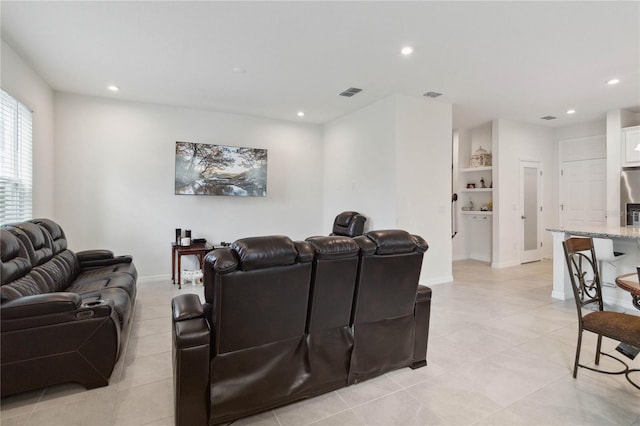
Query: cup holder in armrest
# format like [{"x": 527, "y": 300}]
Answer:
[
  {"x": 94, "y": 303},
  {"x": 87, "y": 308}
]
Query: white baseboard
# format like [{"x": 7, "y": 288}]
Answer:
[
  {"x": 150, "y": 278},
  {"x": 505, "y": 264},
  {"x": 560, "y": 295},
  {"x": 438, "y": 280}
]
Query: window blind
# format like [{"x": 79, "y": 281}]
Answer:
[{"x": 16, "y": 170}]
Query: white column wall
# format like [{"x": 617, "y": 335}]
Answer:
[
  {"x": 614, "y": 141},
  {"x": 391, "y": 161},
  {"x": 423, "y": 180}
]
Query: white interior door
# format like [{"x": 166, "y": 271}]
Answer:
[
  {"x": 583, "y": 193},
  {"x": 531, "y": 208}
]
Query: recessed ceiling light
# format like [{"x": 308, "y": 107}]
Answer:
[
  {"x": 613, "y": 81},
  {"x": 571, "y": 111},
  {"x": 407, "y": 50},
  {"x": 113, "y": 88},
  {"x": 239, "y": 70},
  {"x": 300, "y": 113}
]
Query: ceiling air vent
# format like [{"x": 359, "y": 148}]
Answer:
[
  {"x": 350, "y": 92},
  {"x": 548, "y": 117},
  {"x": 432, "y": 94}
]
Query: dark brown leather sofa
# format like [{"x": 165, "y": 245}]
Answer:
[
  {"x": 284, "y": 321},
  {"x": 63, "y": 315}
]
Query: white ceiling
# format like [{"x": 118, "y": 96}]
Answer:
[{"x": 514, "y": 60}]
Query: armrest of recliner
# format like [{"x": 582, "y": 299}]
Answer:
[
  {"x": 186, "y": 306},
  {"x": 94, "y": 258},
  {"x": 191, "y": 357},
  {"x": 43, "y": 310},
  {"x": 91, "y": 255},
  {"x": 40, "y": 304},
  {"x": 421, "y": 314}
]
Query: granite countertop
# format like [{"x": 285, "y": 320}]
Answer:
[{"x": 631, "y": 232}]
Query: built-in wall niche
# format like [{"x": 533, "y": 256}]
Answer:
[{"x": 477, "y": 186}]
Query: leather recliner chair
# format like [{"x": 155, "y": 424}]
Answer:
[
  {"x": 330, "y": 340},
  {"x": 257, "y": 295},
  {"x": 349, "y": 224},
  {"x": 389, "y": 304}
]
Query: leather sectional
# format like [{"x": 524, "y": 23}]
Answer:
[
  {"x": 63, "y": 315},
  {"x": 284, "y": 321}
]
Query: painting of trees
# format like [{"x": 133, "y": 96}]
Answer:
[{"x": 205, "y": 169}]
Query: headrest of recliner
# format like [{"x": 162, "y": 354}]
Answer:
[
  {"x": 344, "y": 218},
  {"x": 263, "y": 252},
  {"x": 58, "y": 238},
  {"x": 396, "y": 241},
  {"x": 35, "y": 239},
  {"x": 15, "y": 260},
  {"x": 334, "y": 247}
]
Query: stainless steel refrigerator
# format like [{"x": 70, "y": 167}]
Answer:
[{"x": 630, "y": 196}]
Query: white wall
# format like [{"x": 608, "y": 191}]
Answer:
[
  {"x": 582, "y": 130},
  {"x": 391, "y": 161},
  {"x": 521, "y": 141},
  {"x": 20, "y": 81},
  {"x": 114, "y": 183},
  {"x": 359, "y": 166}
]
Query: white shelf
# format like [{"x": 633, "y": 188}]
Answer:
[
  {"x": 476, "y": 169},
  {"x": 477, "y": 212},
  {"x": 476, "y": 190}
]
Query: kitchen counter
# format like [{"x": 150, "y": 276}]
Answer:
[
  {"x": 632, "y": 232},
  {"x": 626, "y": 239}
]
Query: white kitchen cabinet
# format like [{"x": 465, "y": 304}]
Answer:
[
  {"x": 478, "y": 227},
  {"x": 630, "y": 141}
]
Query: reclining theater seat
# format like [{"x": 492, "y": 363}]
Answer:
[
  {"x": 258, "y": 290},
  {"x": 349, "y": 224},
  {"x": 51, "y": 334},
  {"x": 391, "y": 312},
  {"x": 330, "y": 341}
]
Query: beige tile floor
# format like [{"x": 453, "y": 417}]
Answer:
[{"x": 500, "y": 353}]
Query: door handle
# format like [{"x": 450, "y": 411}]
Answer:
[{"x": 523, "y": 217}]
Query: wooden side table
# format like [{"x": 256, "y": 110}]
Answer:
[{"x": 199, "y": 250}]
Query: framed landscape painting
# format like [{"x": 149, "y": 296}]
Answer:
[{"x": 205, "y": 169}]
